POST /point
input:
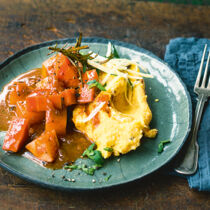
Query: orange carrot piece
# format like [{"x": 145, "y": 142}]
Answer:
[
  {"x": 66, "y": 71},
  {"x": 45, "y": 147},
  {"x": 69, "y": 96},
  {"x": 56, "y": 120},
  {"x": 36, "y": 102},
  {"x": 17, "y": 135},
  {"x": 48, "y": 66},
  {"x": 86, "y": 95},
  {"x": 90, "y": 75},
  {"x": 18, "y": 93},
  {"x": 56, "y": 100},
  {"x": 51, "y": 83},
  {"x": 32, "y": 117},
  {"x": 60, "y": 66}
]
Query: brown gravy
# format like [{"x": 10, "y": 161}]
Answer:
[{"x": 72, "y": 145}]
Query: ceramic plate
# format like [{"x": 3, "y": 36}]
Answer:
[{"x": 171, "y": 116}]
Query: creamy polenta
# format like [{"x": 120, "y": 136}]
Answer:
[{"x": 118, "y": 117}]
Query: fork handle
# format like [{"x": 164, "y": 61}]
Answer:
[{"x": 189, "y": 162}]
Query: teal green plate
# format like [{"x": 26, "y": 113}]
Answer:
[{"x": 171, "y": 116}]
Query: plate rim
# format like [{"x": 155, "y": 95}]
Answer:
[{"x": 95, "y": 39}]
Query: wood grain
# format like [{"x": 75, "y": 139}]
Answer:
[{"x": 146, "y": 24}]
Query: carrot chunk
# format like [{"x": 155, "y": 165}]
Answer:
[
  {"x": 60, "y": 66},
  {"x": 36, "y": 102},
  {"x": 86, "y": 95},
  {"x": 18, "y": 93},
  {"x": 48, "y": 66},
  {"x": 90, "y": 75},
  {"x": 66, "y": 71},
  {"x": 69, "y": 97},
  {"x": 45, "y": 147},
  {"x": 56, "y": 120},
  {"x": 56, "y": 100},
  {"x": 51, "y": 83},
  {"x": 41, "y": 100},
  {"x": 32, "y": 117},
  {"x": 17, "y": 135}
]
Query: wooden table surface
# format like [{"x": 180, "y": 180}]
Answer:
[{"x": 146, "y": 24}]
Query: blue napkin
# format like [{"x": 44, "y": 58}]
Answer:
[{"x": 184, "y": 56}]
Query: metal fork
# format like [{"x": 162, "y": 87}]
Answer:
[{"x": 189, "y": 163}]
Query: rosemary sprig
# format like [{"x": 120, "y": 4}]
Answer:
[
  {"x": 79, "y": 41},
  {"x": 74, "y": 55}
]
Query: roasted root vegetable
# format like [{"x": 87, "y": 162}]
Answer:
[
  {"x": 32, "y": 117},
  {"x": 16, "y": 135},
  {"x": 56, "y": 100},
  {"x": 49, "y": 66},
  {"x": 69, "y": 96},
  {"x": 18, "y": 92},
  {"x": 66, "y": 71},
  {"x": 51, "y": 83},
  {"x": 36, "y": 102},
  {"x": 90, "y": 75},
  {"x": 86, "y": 95},
  {"x": 60, "y": 66},
  {"x": 45, "y": 147},
  {"x": 56, "y": 120}
]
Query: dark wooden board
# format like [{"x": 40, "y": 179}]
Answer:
[{"x": 146, "y": 24}]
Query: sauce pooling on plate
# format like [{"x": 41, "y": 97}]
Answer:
[{"x": 72, "y": 145}]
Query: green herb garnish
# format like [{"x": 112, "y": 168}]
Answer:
[
  {"x": 162, "y": 144},
  {"x": 130, "y": 83},
  {"x": 107, "y": 178},
  {"x": 94, "y": 83},
  {"x": 73, "y": 53},
  {"x": 88, "y": 170},
  {"x": 84, "y": 67},
  {"x": 79, "y": 41},
  {"x": 98, "y": 71},
  {"x": 116, "y": 55},
  {"x": 111, "y": 51},
  {"x": 108, "y": 149},
  {"x": 94, "y": 155}
]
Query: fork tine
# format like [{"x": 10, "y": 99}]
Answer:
[
  {"x": 200, "y": 69},
  {"x": 206, "y": 71}
]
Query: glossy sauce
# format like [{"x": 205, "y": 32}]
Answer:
[{"x": 72, "y": 145}]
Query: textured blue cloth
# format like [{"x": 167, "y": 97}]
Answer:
[{"x": 184, "y": 56}]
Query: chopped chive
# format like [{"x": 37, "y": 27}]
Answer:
[
  {"x": 98, "y": 71},
  {"x": 130, "y": 83},
  {"x": 111, "y": 52},
  {"x": 116, "y": 55},
  {"x": 91, "y": 82},
  {"x": 161, "y": 145},
  {"x": 108, "y": 177},
  {"x": 94, "y": 83},
  {"x": 88, "y": 170},
  {"x": 108, "y": 149},
  {"x": 113, "y": 74}
]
